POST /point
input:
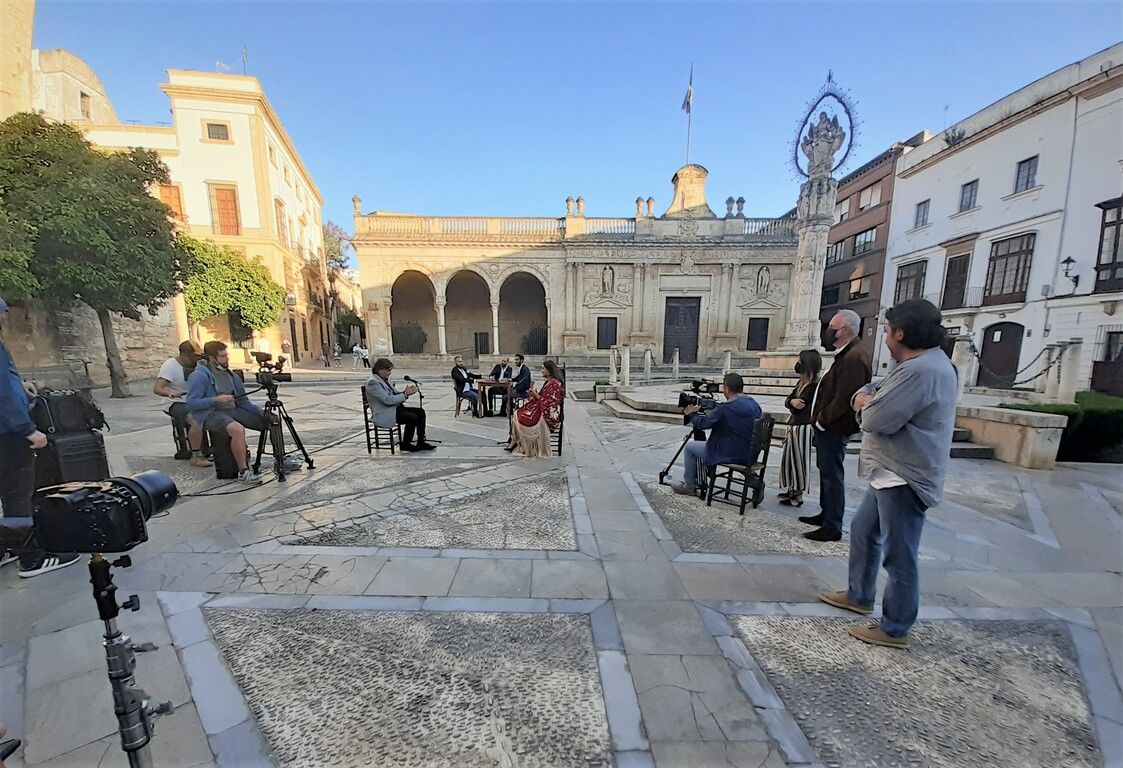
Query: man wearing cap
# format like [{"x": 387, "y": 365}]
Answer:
[
  {"x": 171, "y": 383},
  {"x": 18, "y": 438}
]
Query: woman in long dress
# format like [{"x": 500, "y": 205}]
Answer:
[
  {"x": 795, "y": 461},
  {"x": 532, "y": 424}
]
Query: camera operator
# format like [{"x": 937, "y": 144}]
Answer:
[
  {"x": 171, "y": 382},
  {"x": 731, "y": 424},
  {"x": 217, "y": 401},
  {"x": 388, "y": 407},
  {"x": 18, "y": 438}
]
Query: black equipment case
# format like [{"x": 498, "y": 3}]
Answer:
[{"x": 73, "y": 457}]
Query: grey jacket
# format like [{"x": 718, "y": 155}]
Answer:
[
  {"x": 384, "y": 401},
  {"x": 908, "y": 425}
]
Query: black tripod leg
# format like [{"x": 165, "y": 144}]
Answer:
[
  {"x": 670, "y": 464},
  {"x": 277, "y": 440},
  {"x": 261, "y": 438},
  {"x": 296, "y": 437}
]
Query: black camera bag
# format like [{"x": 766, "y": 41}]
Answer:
[{"x": 66, "y": 411}]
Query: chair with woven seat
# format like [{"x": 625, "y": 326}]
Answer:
[
  {"x": 391, "y": 435},
  {"x": 744, "y": 481},
  {"x": 558, "y": 434}
]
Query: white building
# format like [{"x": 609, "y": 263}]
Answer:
[{"x": 1010, "y": 222}]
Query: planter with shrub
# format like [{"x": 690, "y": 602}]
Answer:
[{"x": 1095, "y": 426}]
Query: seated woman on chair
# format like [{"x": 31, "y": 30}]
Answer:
[{"x": 532, "y": 424}]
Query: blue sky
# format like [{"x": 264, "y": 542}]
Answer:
[{"x": 505, "y": 109}]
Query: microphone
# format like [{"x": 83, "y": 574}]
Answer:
[{"x": 411, "y": 381}]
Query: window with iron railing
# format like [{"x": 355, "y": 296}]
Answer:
[
  {"x": 1008, "y": 270},
  {"x": 1109, "y": 265}
]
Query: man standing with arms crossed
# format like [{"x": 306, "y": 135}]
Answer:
[
  {"x": 834, "y": 420},
  {"x": 907, "y": 423}
]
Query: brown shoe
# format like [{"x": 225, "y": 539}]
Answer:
[
  {"x": 682, "y": 490},
  {"x": 839, "y": 599},
  {"x": 198, "y": 461},
  {"x": 872, "y": 633}
]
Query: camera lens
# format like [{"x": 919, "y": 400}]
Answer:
[{"x": 155, "y": 490}]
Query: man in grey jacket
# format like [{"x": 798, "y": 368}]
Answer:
[
  {"x": 388, "y": 407},
  {"x": 907, "y": 422}
]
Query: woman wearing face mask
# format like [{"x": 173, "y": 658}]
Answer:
[{"x": 794, "y": 464}]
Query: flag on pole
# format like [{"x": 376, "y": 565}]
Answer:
[{"x": 688, "y": 99}]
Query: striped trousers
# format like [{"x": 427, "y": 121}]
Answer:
[{"x": 794, "y": 463}]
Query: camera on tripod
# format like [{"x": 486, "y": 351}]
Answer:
[
  {"x": 705, "y": 402},
  {"x": 270, "y": 373}
]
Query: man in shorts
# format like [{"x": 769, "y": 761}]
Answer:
[{"x": 171, "y": 383}]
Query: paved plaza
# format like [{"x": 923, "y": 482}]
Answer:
[{"x": 468, "y": 608}]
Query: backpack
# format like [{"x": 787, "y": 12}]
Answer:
[{"x": 64, "y": 411}]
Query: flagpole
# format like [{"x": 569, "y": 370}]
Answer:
[{"x": 689, "y": 117}]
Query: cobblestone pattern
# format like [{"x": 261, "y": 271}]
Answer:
[
  {"x": 969, "y": 694},
  {"x": 721, "y": 530},
  {"x": 532, "y": 513},
  {"x": 187, "y": 479},
  {"x": 399, "y": 690}
]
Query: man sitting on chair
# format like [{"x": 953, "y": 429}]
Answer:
[
  {"x": 463, "y": 379},
  {"x": 171, "y": 383},
  {"x": 521, "y": 378},
  {"x": 501, "y": 371},
  {"x": 387, "y": 407},
  {"x": 731, "y": 433}
]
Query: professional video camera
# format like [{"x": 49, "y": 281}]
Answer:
[
  {"x": 269, "y": 373},
  {"x": 705, "y": 402},
  {"x": 96, "y": 517}
]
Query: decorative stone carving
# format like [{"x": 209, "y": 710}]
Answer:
[
  {"x": 823, "y": 140},
  {"x": 569, "y": 206},
  {"x": 763, "y": 279},
  {"x": 688, "y": 227},
  {"x": 639, "y": 207},
  {"x": 651, "y": 207},
  {"x": 729, "y": 206},
  {"x": 765, "y": 291},
  {"x": 740, "y": 206},
  {"x": 690, "y": 194},
  {"x": 689, "y": 265},
  {"x": 608, "y": 280},
  {"x": 357, "y": 202}
]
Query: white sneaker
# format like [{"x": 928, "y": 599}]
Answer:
[
  {"x": 247, "y": 477},
  {"x": 47, "y": 564},
  {"x": 7, "y": 556}
]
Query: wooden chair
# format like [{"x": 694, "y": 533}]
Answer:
[
  {"x": 458, "y": 395},
  {"x": 391, "y": 435},
  {"x": 558, "y": 435},
  {"x": 745, "y": 481}
]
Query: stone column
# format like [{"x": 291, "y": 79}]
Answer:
[
  {"x": 612, "y": 377},
  {"x": 730, "y": 297},
  {"x": 1042, "y": 381},
  {"x": 495, "y": 327},
  {"x": 1070, "y": 372},
  {"x": 626, "y": 365},
  {"x": 549, "y": 326},
  {"x": 728, "y": 365},
  {"x": 647, "y": 365},
  {"x": 964, "y": 361},
  {"x": 1053, "y": 378},
  {"x": 441, "y": 347},
  {"x": 816, "y": 209},
  {"x": 389, "y": 328},
  {"x": 570, "y": 292},
  {"x": 639, "y": 295}
]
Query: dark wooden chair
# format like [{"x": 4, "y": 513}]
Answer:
[
  {"x": 558, "y": 436},
  {"x": 376, "y": 435},
  {"x": 745, "y": 482}
]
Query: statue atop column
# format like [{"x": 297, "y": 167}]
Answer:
[{"x": 822, "y": 142}]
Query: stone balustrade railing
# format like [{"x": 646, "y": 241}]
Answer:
[{"x": 770, "y": 227}]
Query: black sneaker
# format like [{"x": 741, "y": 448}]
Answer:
[
  {"x": 820, "y": 534},
  {"x": 423, "y": 446},
  {"x": 816, "y": 520},
  {"x": 409, "y": 448},
  {"x": 46, "y": 564}
]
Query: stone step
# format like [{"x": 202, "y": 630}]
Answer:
[
  {"x": 960, "y": 450},
  {"x": 622, "y": 410}
]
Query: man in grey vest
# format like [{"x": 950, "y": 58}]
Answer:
[{"x": 907, "y": 422}]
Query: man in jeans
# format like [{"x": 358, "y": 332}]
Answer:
[
  {"x": 731, "y": 434},
  {"x": 907, "y": 422},
  {"x": 834, "y": 420},
  {"x": 18, "y": 438}
]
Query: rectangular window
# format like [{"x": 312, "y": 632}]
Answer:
[
  {"x": 836, "y": 252},
  {"x": 758, "y": 334},
  {"x": 863, "y": 241},
  {"x": 1113, "y": 347},
  {"x": 921, "y": 213},
  {"x": 860, "y": 288},
  {"x": 282, "y": 221},
  {"x": 968, "y": 193},
  {"x": 869, "y": 197},
  {"x": 84, "y": 105},
  {"x": 1109, "y": 265},
  {"x": 170, "y": 196},
  {"x": 1008, "y": 270},
  {"x": 955, "y": 282},
  {"x": 842, "y": 211},
  {"x": 830, "y": 295},
  {"x": 1026, "y": 177},
  {"x": 606, "y": 332},
  {"x": 225, "y": 217},
  {"x": 910, "y": 281},
  {"x": 218, "y": 132},
  {"x": 272, "y": 155},
  {"x": 286, "y": 174}
]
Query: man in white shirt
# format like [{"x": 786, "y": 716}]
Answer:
[{"x": 171, "y": 383}]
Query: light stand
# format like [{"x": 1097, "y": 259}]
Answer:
[{"x": 135, "y": 714}]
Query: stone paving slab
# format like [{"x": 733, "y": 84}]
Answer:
[
  {"x": 532, "y": 513},
  {"x": 720, "y": 529},
  {"x": 969, "y": 692},
  {"x": 355, "y": 688}
]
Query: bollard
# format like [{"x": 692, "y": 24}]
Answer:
[
  {"x": 1053, "y": 378},
  {"x": 647, "y": 365},
  {"x": 1041, "y": 382},
  {"x": 626, "y": 365},
  {"x": 612, "y": 378},
  {"x": 1070, "y": 370},
  {"x": 674, "y": 364},
  {"x": 728, "y": 363},
  {"x": 964, "y": 361}
]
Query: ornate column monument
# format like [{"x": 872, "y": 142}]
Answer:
[{"x": 814, "y": 216}]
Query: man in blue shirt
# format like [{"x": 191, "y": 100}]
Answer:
[
  {"x": 18, "y": 438},
  {"x": 731, "y": 433}
]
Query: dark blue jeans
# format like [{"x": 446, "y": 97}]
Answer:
[
  {"x": 830, "y": 450},
  {"x": 891, "y": 519},
  {"x": 17, "y": 487}
]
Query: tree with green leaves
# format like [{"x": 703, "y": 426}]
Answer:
[
  {"x": 337, "y": 242},
  {"x": 220, "y": 280},
  {"x": 78, "y": 224}
]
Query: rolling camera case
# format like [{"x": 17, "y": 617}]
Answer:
[
  {"x": 222, "y": 456},
  {"x": 72, "y": 457},
  {"x": 65, "y": 412}
]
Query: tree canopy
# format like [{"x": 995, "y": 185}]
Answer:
[
  {"x": 220, "y": 280},
  {"x": 336, "y": 242}
]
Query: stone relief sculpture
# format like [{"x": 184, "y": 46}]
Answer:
[
  {"x": 763, "y": 278},
  {"x": 608, "y": 281},
  {"x": 764, "y": 290},
  {"x": 823, "y": 140}
]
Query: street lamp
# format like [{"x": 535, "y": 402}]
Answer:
[{"x": 1068, "y": 264}]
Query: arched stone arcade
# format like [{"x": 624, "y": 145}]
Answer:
[
  {"x": 523, "y": 318},
  {"x": 413, "y": 298},
  {"x": 468, "y": 315}
]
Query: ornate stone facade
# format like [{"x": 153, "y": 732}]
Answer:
[{"x": 687, "y": 279}]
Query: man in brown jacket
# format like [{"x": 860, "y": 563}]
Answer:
[{"x": 834, "y": 420}]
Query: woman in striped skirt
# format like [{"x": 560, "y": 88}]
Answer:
[{"x": 794, "y": 464}]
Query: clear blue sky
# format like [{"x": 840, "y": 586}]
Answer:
[{"x": 506, "y": 109}]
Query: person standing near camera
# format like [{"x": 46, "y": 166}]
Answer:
[
  {"x": 388, "y": 407},
  {"x": 907, "y": 423},
  {"x": 731, "y": 433},
  {"x": 794, "y": 471},
  {"x": 19, "y": 437},
  {"x": 834, "y": 421},
  {"x": 217, "y": 402},
  {"x": 171, "y": 383}
]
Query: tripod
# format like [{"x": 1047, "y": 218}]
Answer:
[
  {"x": 701, "y": 491},
  {"x": 135, "y": 714},
  {"x": 276, "y": 417}
]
